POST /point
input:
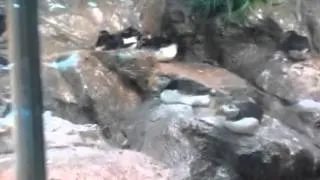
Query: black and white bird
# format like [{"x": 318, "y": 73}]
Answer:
[
  {"x": 130, "y": 32},
  {"x": 106, "y": 41},
  {"x": 127, "y": 38},
  {"x": 242, "y": 109},
  {"x": 5, "y": 64},
  {"x": 3, "y": 24},
  {"x": 241, "y": 117},
  {"x": 248, "y": 109},
  {"x": 166, "y": 48},
  {"x": 188, "y": 86},
  {"x": 3, "y": 61},
  {"x": 296, "y": 46},
  {"x": 130, "y": 37}
]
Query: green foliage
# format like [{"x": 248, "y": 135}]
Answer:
[{"x": 230, "y": 7}]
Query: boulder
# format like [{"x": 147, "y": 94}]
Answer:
[
  {"x": 252, "y": 53},
  {"x": 122, "y": 92},
  {"x": 79, "y": 151},
  {"x": 87, "y": 163},
  {"x": 197, "y": 149},
  {"x": 78, "y": 87}
]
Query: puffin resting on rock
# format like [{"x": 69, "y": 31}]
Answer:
[
  {"x": 164, "y": 48},
  {"x": 244, "y": 126},
  {"x": 240, "y": 117}
]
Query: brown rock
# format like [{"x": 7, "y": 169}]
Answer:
[
  {"x": 114, "y": 165},
  {"x": 137, "y": 66},
  {"x": 213, "y": 77},
  {"x": 152, "y": 13},
  {"x": 291, "y": 81}
]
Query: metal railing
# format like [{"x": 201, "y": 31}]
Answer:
[{"x": 26, "y": 89}]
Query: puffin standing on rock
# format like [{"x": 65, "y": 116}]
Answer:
[
  {"x": 188, "y": 86},
  {"x": 185, "y": 91},
  {"x": 124, "y": 39},
  {"x": 248, "y": 109},
  {"x": 240, "y": 117},
  {"x": 165, "y": 49},
  {"x": 295, "y": 46}
]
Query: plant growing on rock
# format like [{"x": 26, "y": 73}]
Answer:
[{"x": 209, "y": 8}]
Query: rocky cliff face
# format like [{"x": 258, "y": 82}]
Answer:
[{"x": 186, "y": 135}]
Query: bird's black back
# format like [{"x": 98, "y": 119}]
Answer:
[
  {"x": 154, "y": 42},
  {"x": 108, "y": 40},
  {"x": 2, "y": 23},
  {"x": 187, "y": 86},
  {"x": 294, "y": 41},
  {"x": 249, "y": 109},
  {"x": 4, "y": 61},
  {"x": 102, "y": 38},
  {"x": 129, "y": 32}
]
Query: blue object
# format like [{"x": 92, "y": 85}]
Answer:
[{"x": 65, "y": 64}]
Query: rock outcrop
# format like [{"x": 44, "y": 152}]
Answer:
[
  {"x": 79, "y": 152},
  {"x": 172, "y": 133}
]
